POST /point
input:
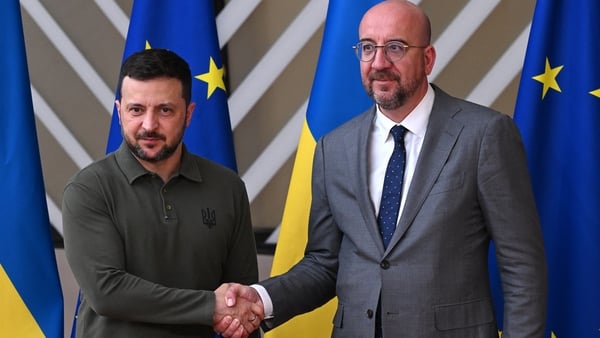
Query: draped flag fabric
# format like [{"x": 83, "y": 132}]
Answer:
[
  {"x": 337, "y": 95},
  {"x": 558, "y": 113},
  {"x": 188, "y": 28},
  {"x": 31, "y": 302}
]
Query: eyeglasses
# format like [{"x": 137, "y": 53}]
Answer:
[{"x": 393, "y": 50}]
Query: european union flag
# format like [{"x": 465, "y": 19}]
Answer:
[
  {"x": 31, "y": 303},
  {"x": 187, "y": 27},
  {"x": 558, "y": 113}
]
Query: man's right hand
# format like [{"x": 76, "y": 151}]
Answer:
[{"x": 238, "y": 310}]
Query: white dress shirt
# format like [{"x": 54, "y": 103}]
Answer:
[{"x": 381, "y": 146}]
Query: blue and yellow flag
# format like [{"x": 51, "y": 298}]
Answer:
[
  {"x": 188, "y": 28},
  {"x": 337, "y": 96},
  {"x": 558, "y": 113},
  {"x": 31, "y": 303}
]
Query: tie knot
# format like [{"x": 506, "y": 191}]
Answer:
[{"x": 398, "y": 132}]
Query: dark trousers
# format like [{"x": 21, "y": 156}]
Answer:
[{"x": 378, "y": 329}]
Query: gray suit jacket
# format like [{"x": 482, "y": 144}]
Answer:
[{"x": 470, "y": 186}]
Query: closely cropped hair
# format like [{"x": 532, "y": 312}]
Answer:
[{"x": 154, "y": 63}]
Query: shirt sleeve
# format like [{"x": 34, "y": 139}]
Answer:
[
  {"x": 266, "y": 299},
  {"x": 96, "y": 254}
]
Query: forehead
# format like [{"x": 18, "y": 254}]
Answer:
[
  {"x": 161, "y": 87},
  {"x": 391, "y": 21}
]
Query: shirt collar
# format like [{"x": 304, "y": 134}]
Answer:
[
  {"x": 416, "y": 121},
  {"x": 133, "y": 169}
]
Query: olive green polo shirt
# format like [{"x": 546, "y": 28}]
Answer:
[{"x": 148, "y": 254}]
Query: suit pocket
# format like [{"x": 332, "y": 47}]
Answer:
[
  {"x": 463, "y": 315},
  {"x": 447, "y": 183}
]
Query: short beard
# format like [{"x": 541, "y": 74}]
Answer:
[
  {"x": 164, "y": 153},
  {"x": 398, "y": 98}
]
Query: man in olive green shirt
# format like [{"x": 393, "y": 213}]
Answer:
[{"x": 151, "y": 229}]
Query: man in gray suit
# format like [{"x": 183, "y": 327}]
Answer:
[{"x": 465, "y": 184}]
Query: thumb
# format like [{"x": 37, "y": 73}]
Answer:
[{"x": 231, "y": 295}]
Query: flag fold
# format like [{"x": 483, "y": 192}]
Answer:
[
  {"x": 558, "y": 113},
  {"x": 31, "y": 302},
  {"x": 337, "y": 96}
]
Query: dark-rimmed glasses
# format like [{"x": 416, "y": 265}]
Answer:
[{"x": 393, "y": 50}]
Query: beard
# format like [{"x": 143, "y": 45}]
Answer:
[
  {"x": 391, "y": 100},
  {"x": 165, "y": 152}
]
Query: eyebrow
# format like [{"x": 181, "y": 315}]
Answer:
[
  {"x": 388, "y": 41},
  {"x": 160, "y": 105},
  {"x": 133, "y": 105}
]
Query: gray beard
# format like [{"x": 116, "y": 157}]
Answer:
[
  {"x": 398, "y": 98},
  {"x": 395, "y": 102}
]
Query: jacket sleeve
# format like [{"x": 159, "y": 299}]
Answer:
[
  {"x": 509, "y": 208},
  {"x": 311, "y": 282}
]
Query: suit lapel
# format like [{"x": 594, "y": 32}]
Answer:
[
  {"x": 357, "y": 144},
  {"x": 442, "y": 134}
]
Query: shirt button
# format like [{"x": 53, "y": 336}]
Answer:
[
  {"x": 369, "y": 313},
  {"x": 168, "y": 207},
  {"x": 385, "y": 265}
]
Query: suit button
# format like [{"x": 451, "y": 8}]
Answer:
[
  {"x": 369, "y": 313},
  {"x": 385, "y": 265}
]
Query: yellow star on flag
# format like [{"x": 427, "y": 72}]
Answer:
[
  {"x": 214, "y": 78},
  {"x": 596, "y": 92},
  {"x": 548, "y": 78}
]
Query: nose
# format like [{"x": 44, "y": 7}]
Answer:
[
  {"x": 380, "y": 61},
  {"x": 150, "y": 121}
]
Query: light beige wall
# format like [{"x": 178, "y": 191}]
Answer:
[{"x": 101, "y": 45}]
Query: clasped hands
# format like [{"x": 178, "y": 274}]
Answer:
[{"x": 238, "y": 310}]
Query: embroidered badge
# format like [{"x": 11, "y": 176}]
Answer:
[{"x": 209, "y": 217}]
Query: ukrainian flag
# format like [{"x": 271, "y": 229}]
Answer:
[
  {"x": 337, "y": 96},
  {"x": 31, "y": 302}
]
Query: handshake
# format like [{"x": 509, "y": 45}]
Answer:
[{"x": 238, "y": 310}]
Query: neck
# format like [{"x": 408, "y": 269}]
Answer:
[{"x": 165, "y": 168}]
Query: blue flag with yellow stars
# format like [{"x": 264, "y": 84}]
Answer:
[
  {"x": 187, "y": 27},
  {"x": 558, "y": 113},
  {"x": 31, "y": 300}
]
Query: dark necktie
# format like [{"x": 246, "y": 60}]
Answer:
[{"x": 392, "y": 187}]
